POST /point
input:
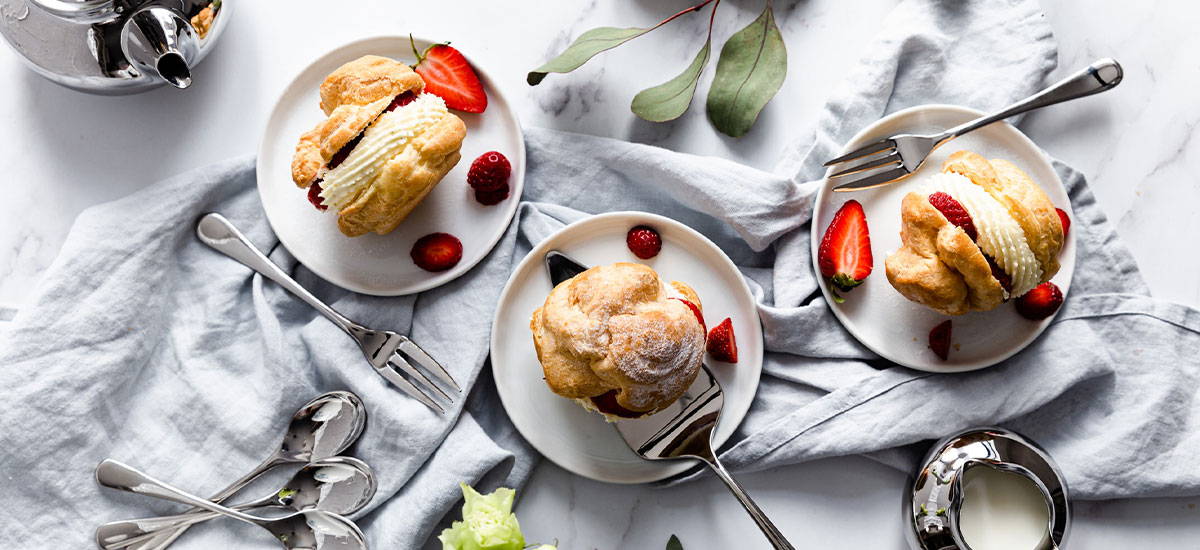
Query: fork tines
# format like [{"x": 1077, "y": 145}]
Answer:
[
  {"x": 402, "y": 359},
  {"x": 882, "y": 164}
]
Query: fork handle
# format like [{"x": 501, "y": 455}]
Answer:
[
  {"x": 220, "y": 234},
  {"x": 1099, "y": 76},
  {"x": 772, "y": 533}
]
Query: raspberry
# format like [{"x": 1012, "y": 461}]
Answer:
[
  {"x": 490, "y": 197},
  {"x": 644, "y": 242},
  {"x": 489, "y": 172}
]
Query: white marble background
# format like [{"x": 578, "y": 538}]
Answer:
[{"x": 68, "y": 151}]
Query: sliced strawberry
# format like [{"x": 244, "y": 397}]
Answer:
[
  {"x": 643, "y": 241},
  {"x": 844, "y": 256},
  {"x": 314, "y": 196},
  {"x": 448, "y": 75},
  {"x": 954, "y": 212},
  {"x": 696, "y": 311},
  {"x": 1041, "y": 302},
  {"x": 437, "y": 252},
  {"x": 1066, "y": 221},
  {"x": 939, "y": 340},
  {"x": 722, "y": 346}
]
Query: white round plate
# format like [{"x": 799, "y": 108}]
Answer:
[
  {"x": 875, "y": 313},
  {"x": 380, "y": 264},
  {"x": 581, "y": 441}
]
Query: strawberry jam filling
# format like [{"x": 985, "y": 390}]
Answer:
[
  {"x": 999, "y": 274},
  {"x": 607, "y": 403},
  {"x": 314, "y": 196},
  {"x": 401, "y": 100},
  {"x": 954, "y": 212}
]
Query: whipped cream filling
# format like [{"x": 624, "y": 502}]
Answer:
[
  {"x": 1000, "y": 236},
  {"x": 381, "y": 141}
]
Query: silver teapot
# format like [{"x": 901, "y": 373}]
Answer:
[{"x": 113, "y": 47}]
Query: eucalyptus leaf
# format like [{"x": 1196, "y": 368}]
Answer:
[
  {"x": 584, "y": 48},
  {"x": 674, "y": 544},
  {"x": 669, "y": 100},
  {"x": 751, "y": 69}
]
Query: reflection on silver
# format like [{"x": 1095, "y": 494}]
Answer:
[
  {"x": 932, "y": 504},
  {"x": 113, "y": 47}
]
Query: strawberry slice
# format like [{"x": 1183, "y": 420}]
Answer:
[
  {"x": 607, "y": 403},
  {"x": 437, "y": 252},
  {"x": 1066, "y": 221},
  {"x": 448, "y": 75},
  {"x": 844, "y": 256},
  {"x": 955, "y": 212},
  {"x": 695, "y": 311},
  {"x": 722, "y": 346},
  {"x": 1041, "y": 302},
  {"x": 314, "y": 196},
  {"x": 939, "y": 340}
]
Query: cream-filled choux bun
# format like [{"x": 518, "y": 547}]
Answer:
[
  {"x": 973, "y": 236},
  {"x": 382, "y": 148},
  {"x": 619, "y": 340}
]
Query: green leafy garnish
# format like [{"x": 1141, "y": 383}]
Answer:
[
  {"x": 751, "y": 69},
  {"x": 674, "y": 544},
  {"x": 488, "y": 523}
]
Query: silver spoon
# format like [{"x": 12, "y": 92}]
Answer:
[
  {"x": 322, "y": 428},
  {"x": 303, "y": 530},
  {"x": 342, "y": 485}
]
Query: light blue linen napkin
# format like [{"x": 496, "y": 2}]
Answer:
[{"x": 143, "y": 345}]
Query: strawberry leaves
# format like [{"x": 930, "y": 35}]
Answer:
[{"x": 751, "y": 69}]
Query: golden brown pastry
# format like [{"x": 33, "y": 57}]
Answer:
[
  {"x": 618, "y": 340},
  {"x": 979, "y": 233},
  {"x": 382, "y": 148}
]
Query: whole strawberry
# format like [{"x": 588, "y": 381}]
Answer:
[
  {"x": 489, "y": 172},
  {"x": 643, "y": 241},
  {"x": 1041, "y": 302},
  {"x": 844, "y": 256}
]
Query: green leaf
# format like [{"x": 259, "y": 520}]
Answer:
[
  {"x": 750, "y": 71},
  {"x": 670, "y": 99},
  {"x": 674, "y": 544},
  {"x": 584, "y": 48}
]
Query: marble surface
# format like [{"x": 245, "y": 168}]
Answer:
[{"x": 68, "y": 151}]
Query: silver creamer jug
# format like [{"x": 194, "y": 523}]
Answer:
[{"x": 113, "y": 46}]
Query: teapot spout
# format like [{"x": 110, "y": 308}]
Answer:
[{"x": 158, "y": 40}]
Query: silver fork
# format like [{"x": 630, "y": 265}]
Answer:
[
  {"x": 384, "y": 349},
  {"x": 892, "y": 159},
  {"x": 684, "y": 430}
]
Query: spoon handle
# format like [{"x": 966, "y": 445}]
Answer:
[
  {"x": 115, "y": 535},
  {"x": 164, "y": 538},
  {"x": 116, "y": 475}
]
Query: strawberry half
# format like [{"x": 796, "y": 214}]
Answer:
[
  {"x": 939, "y": 340},
  {"x": 844, "y": 256},
  {"x": 437, "y": 252},
  {"x": 1066, "y": 221},
  {"x": 1041, "y": 302},
  {"x": 954, "y": 212},
  {"x": 722, "y": 346},
  {"x": 448, "y": 75}
]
